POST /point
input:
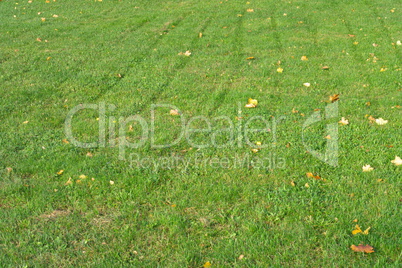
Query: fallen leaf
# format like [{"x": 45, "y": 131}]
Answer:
[
  {"x": 255, "y": 150},
  {"x": 325, "y": 67},
  {"x": 334, "y": 98},
  {"x": 304, "y": 58},
  {"x": 279, "y": 70},
  {"x": 357, "y": 230},
  {"x": 306, "y": 185},
  {"x": 292, "y": 183},
  {"x": 60, "y": 172},
  {"x": 65, "y": 141},
  {"x": 361, "y": 248},
  {"x": 311, "y": 175},
  {"x": 68, "y": 182},
  {"x": 9, "y": 169},
  {"x": 111, "y": 182},
  {"x": 328, "y": 137},
  {"x": 250, "y": 58},
  {"x": 306, "y": 84},
  {"x": 355, "y": 220},
  {"x": 82, "y": 177},
  {"x": 381, "y": 121},
  {"x": 174, "y": 112},
  {"x": 187, "y": 53},
  {"x": 199, "y": 35},
  {"x": 343, "y": 121},
  {"x": 351, "y": 35},
  {"x": 241, "y": 257},
  {"x": 294, "y": 111},
  {"x": 367, "y": 168},
  {"x": 250, "y": 10},
  {"x": 398, "y": 43},
  {"x": 207, "y": 265},
  {"x": 251, "y": 103},
  {"x": 397, "y": 161},
  {"x": 89, "y": 154}
]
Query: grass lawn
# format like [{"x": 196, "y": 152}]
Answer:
[{"x": 125, "y": 140}]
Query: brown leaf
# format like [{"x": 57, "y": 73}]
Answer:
[
  {"x": 362, "y": 248},
  {"x": 334, "y": 98},
  {"x": 325, "y": 68}
]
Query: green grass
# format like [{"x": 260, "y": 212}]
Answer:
[{"x": 184, "y": 206}]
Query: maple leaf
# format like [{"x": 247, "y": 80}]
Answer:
[
  {"x": 343, "y": 121},
  {"x": 362, "y": 248},
  {"x": 381, "y": 121},
  {"x": 367, "y": 168},
  {"x": 334, "y": 98},
  {"x": 397, "y": 161}
]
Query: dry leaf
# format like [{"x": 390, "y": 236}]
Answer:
[
  {"x": 60, "y": 172},
  {"x": 398, "y": 43},
  {"x": 279, "y": 70},
  {"x": 334, "y": 98},
  {"x": 174, "y": 112},
  {"x": 65, "y": 141},
  {"x": 367, "y": 168},
  {"x": 241, "y": 257},
  {"x": 111, "y": 182},
  {"x": 250, "y": 58},
  {"x": 328, "y": 137},
  {"x": 397, "y": 161},
  {"x": 361, "y": 248},
  {"x": 306, "y": 84},
  {"x": 199, "y": 35},
  {"x": 207, "y": 265},
  {"x": 250, "y": 10},
  {"x": 292, "y": 183},
  {"x": 381, "y": 121},
  {"x": 68, "y": 182},
  {"x": 355, "y": 220},
  {"x": 304, "y": 58},
  {"x": 251, "y": 103},
  {"x": 255, "y": 150},
  {"x": 325, "y": 67},
  {"x": 187, "y": 53},
  {"x": 343, "y": 121},
  {"x": 311, "y": 175},
  {"x": 357, "y": 230},
  {"x": 89, "y": 154},
  {"x": 82, "y": 177}
]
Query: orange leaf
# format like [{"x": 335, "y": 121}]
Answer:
[
  {"x": 311, "y": 175},
  {"x": 362, "y": 248},
  {"x": 334, "y": 98}
]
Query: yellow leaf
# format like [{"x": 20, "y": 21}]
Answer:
[
  {"x": 250, "y": 10},
  {"x": 279, "y": 70},
  {"x": 60, "y": 172},
  {"x": 82, "y": 177},
  {"x": 366, "y": 231},
  {"x": 304, "y": 58},
  {"x": 207, "y": 264},
  {"x": 250, "y": 58},
  {"x": 357, "y": 230},
  {"x": 397, "y": 161}
]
